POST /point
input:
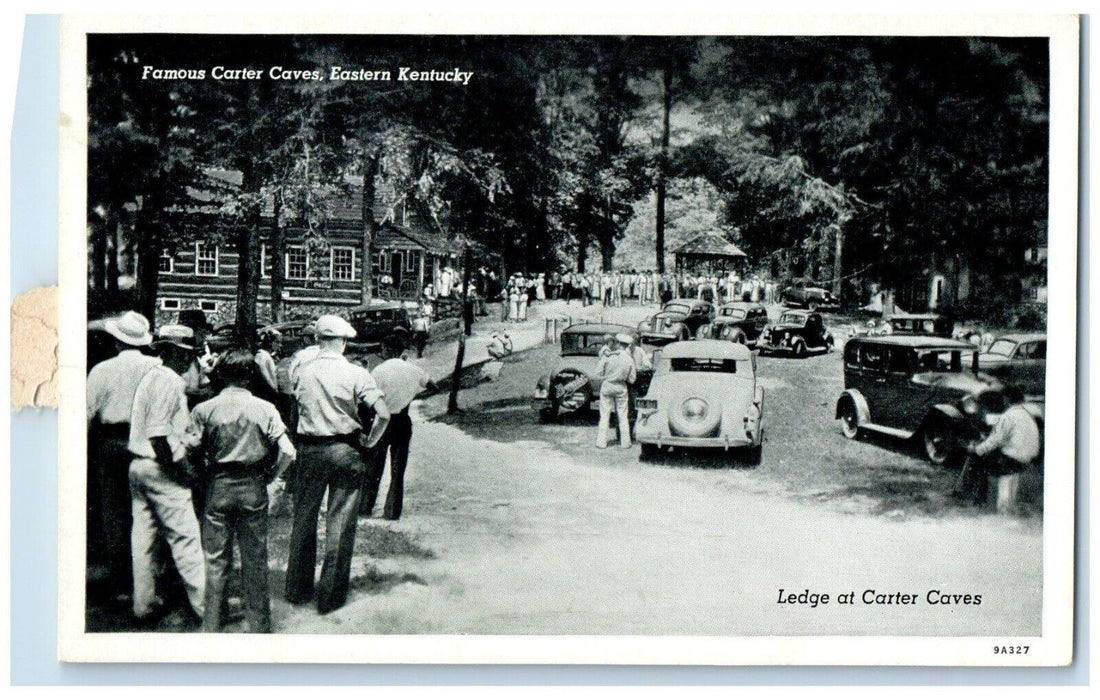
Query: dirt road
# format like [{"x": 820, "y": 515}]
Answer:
[{"x": 520, "y": 538}]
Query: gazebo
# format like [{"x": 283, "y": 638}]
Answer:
[{"x": 710, "y": 253}]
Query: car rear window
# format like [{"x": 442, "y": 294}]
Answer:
[{"x": 703, "y": 364}]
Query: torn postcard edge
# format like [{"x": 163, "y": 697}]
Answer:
[{"x": 34, "y": 349}]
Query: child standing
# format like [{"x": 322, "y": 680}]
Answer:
[{"x": 245, "y": 445}]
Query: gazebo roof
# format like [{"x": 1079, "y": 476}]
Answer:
[{"x": 710, "y": 245}]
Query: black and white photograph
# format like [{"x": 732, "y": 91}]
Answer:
[{"x": 729, "y": 342}]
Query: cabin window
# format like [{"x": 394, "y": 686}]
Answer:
[
  {"x": 167, "y": 263},
  {"x": 342, "y": 263},
  {"x": 170, "y": 304},
  {"x": 208, "y": 306},
  {"x": 206, "y": 260},
  {"x": 297, "y": 262},
  {"x": 412, "y": 261},
  {"x": 265, "y": 262}
]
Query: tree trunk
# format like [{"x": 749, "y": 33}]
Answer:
[
  {"x": 370, "y": 170},
  {"x": 148, "y": 266},
  {"x": 838, "y": 260},
  {"x": 113, "y": 225},
  {"x": 247, "y": 243},
  {"x": 278, "y": 260},
  {"x": 99, "y": 254},
  {"x": 661, "y": 170},
  {"x": 582, "y": 248},
  {"x": 460, "y": 356}
]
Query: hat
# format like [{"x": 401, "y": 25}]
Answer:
[
  {"x": 180, "y": 336},
  {"x": 329, "y": 326},
  {"x": 131, "y": 328},
  {"x": 624, "y": 338}
]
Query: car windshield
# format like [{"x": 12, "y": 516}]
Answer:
[
  {"x": 677, "y": 309},
  {"x": 581, "y": 343},
  {"x": 792, "y": 318},
  {"x": 944, "y": 360},
  {"x": 733, "y": 313},
  {"x": 1003, "y": 347}
]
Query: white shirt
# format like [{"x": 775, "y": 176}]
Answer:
[
  {"x": 112, "y": 384},
  {"x": 329, "y": 390},
  {"x": 297, "y": 360},
  {"x": 1016, "y": 435},
  {"x": 160, "y": 410},
  {"x": 400, "y": 381}
]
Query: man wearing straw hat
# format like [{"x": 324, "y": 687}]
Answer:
[
  {"x": 160, "y": 474},
  {"x": 334, "y": 454},
  {"x": 111, "y": 387}
]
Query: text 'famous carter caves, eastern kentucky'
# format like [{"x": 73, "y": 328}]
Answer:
[{"x": 334, "y": 73}]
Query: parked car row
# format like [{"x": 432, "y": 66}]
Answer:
[{"x": 912, "y": 383}]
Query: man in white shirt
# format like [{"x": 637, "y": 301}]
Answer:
[
  {"x": 110, "y": 396},
  {"x": 1009, "y": 449},
  {"x": 400, "y": 381},
  {"x": 160, "y": 474}
]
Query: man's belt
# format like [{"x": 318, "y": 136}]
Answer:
[{"x": 347, "y": 438}]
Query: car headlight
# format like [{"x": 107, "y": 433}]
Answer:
[{"x": 970, "y": 405}]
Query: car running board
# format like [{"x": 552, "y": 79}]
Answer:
[{"x": 894, "y": 432}]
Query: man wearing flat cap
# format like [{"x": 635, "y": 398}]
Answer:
[
  {"x": 160, "y": 474},
  {"x": 618, "y": 372},
  {"x": 333, "y": 454},
  {"x": 111, "y": 387}
]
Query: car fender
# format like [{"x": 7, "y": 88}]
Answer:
[
  {"x": 863, "y": 411},
  {"x": 946, "y": 411}
]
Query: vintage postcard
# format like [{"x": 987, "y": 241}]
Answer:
[{"x": 715, "y": 340}]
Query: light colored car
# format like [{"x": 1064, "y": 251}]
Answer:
[{"x": 703, "y": 394}]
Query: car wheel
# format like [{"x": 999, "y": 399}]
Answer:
[
  {"x": 938, "y": 442},
  {"x": 798, "y": 347},
  {"x": 829, "y": 343},
  {"x": 738, "y": 337},
  {"x": 548, "y": 414},
  {"x": 849, "y": 420},
  {"x": 649, "y": 450},
  {"x": 753, "y": 455}
]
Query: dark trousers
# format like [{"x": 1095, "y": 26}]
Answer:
[
  {"x": 973, "y": 481},
  {"x": 395, "y": 441},
  {"x": 236, "y": 509},
  {"x": 340, "y": 468},
  {"x": 420, "y": 340},
  {"x": 109, "y": 517}
]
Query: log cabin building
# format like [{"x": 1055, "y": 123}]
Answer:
[{"x": 322, "y": 273}]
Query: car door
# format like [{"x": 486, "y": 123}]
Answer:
[
  {"x": 870, "y": 380},
  {"x": 1028, "y": 370}
]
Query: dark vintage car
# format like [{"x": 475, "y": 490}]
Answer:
[
  {"x": 808, "y": 297},
  {"x": 1020, "y": 359},
  {"x": 373, "y": 322},
  {"x": 679, "y": 319},
  {"x": 920, "y": 387},
  {"x": 796, "y": 333},
  {"x": 738, "y": 322},
  {"x": 572, "y": 384},
  {"x": 922, "y": 324}
]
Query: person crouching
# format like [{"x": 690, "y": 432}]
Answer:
[{"x": 245, "y": 445}]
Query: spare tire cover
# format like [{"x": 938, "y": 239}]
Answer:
[{"x": 695, "y": 416}]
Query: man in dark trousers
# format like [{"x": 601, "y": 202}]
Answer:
[
  {"x": 333, "y": 454},
  {"x": 111, "y": 388},
  {"x": 244, "y": 445},
  {"x": 400, "y": 381}
]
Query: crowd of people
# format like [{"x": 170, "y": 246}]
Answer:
[{"x": 190, "y": 453}]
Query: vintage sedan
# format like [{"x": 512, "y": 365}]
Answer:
[
  {"x": 373, "y": 322},
  {"x": 1020, "y": 359},
  {"x": 796, "y": 333},
  {"x": 703, "y": 393},
  {"x": 738, "y": 322},
  {"x": 922, "y": 324},
  {"x": 679, "y": 319},
  {"x": 920, "y": 387},
  {"x": 572, "y": 384},
  {"x": 808, "y": 297}
]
